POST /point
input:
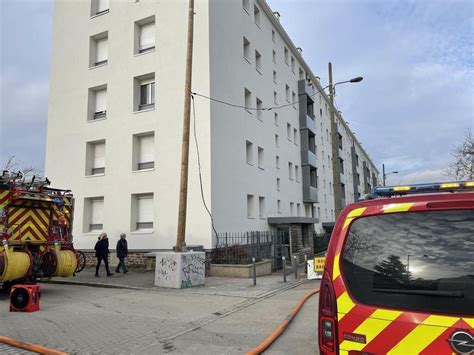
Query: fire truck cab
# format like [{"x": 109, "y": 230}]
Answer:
[{"x": 399, "y": 273}]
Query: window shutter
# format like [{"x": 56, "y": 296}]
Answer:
[
  {"x": 147, "y": 149},
  {"x": 145, "y": 209},
  {"x": 97, "y": 211},
  {"x": 102, "y": 50},
  {"x": 99, "y": 156},
  {"x": 147, "y": 36},
  {"x": 102, "y": 5},
  {"x": 101, "y": 100}
]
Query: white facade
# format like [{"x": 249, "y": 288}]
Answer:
[{"x": 115, "y": 121}]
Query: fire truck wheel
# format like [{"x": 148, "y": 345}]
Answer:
[
  {"x": 49, "y": 262},
  {"x": 81, "y": 261}
]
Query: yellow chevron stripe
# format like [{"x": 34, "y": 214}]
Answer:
[
  {"x": 469, "y": 321},
  {"x": 31, "y": 215},
  {"x": 14, "y": 213},
  {"x": 372, "y": 327},
  {"x": 423, "y": 335},
  {"x": 352, "y": 214},
  {"x": 344, "y": 305},
  {"x": 397, "y": 207},
  {"x": 3, "y": 194},
  {"x": 44, "y": 217},
  {"x": 335, "y": 268}
]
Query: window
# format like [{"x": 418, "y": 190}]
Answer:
[
  {"x": 287, "y": 93},
  {"x": 275, "y": 76},
  {"x": 313, "y": 178},
  {"x": 273, "y": 35},
  {"x": 144, "y": 151},
  {"x": 357, "y": 160},
  {"x": 308, "y": 211},
  {"x": 93, "y": 214},
  {"x": 142, "y": 212},
  {"x": 343, "y": 191},
  {"x": 261, "y": 207},
  {"x": 287, "y": 55},
  {"x": 275, "y": 116},
  {"x": 293, "y": 99},
  {"x": 99, "y": 7},
  {"x": 275, "y": 98},
  {"x": 277, "y": 140},
  {"x": 298, "y": 209},
  {"x": 295, "y": 136},
  {"x": 256, "y": 13},
  {"x": 248, "y": 100},
  {"x": 278, "y": 184},
  {"x": 297, "y": 173},
  {"x": 250, "y": 207},
  {"x": 145, "y": 35},
  {"x": 259, "y": 105},
  {"x": 247, "y": 49},
  {"x": 339, "y": 137},
  {"x": 99, "y": 49},
  {"x": 279, "y": 206},
  {"x": 288, "y": 131},
  {"x": 258, "y": 61},
  {"x": 357, "y": 179},
  {"x": 292, "y": 208},
  {"x": 290, "y": 171},
  {"x": 144, "y": 92},
  {"x": 246, "y": 5},
  {"x": 260, "y": 157},
  {"x": 301, "y": 74},
  {"x": 277, "y": 162},
  {"x": 410, "y": 258},
  {"x": 249, "y": 152},
  {"x": 292, "y": 64},
  {"x": 341, "y": 165},
  {"x": 97, "y": 103},
  {"x": 95, "y": 158},
  {"x": 274, "y": 56}
]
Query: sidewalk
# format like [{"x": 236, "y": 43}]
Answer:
[{"x": 222, "y": 286}]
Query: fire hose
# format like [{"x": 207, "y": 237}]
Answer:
[
  {"x": 31, "y": 347},
  {"x": 283, "y": 325}
]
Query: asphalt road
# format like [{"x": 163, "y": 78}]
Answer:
[{"x": 87, "y": 320}]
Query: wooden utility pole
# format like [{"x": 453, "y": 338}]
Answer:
[
  {"x": 336, "y": 173},
  {"x": 183, "y": 185}
]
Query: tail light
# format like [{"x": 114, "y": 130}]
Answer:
[{"x": 327, "y": 317}]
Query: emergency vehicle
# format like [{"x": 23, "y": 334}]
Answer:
[
  {"x": 399, "y": 273},
  {"x": 35, "y": 231}
]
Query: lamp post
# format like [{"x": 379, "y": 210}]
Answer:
[
  {"x": 335, "y": 141},
  {"x": 384, "y": 174}
]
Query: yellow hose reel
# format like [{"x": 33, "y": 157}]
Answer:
[{"x": 13, "y": 265}]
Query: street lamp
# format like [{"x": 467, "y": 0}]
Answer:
[
  {"x": 384, "y": 174},
  {"x": 335, "y": 141}
]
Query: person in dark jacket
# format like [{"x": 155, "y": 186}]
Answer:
[
  {"x": 102, "y": 253},
  {"x": 122, "y": 253}
]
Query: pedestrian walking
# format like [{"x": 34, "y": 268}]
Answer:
[
  {"x": 102, "y": 253},
  {"x": 122, "y": 253}
]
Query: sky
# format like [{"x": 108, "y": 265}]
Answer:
[{"x": 413, "y": 107}]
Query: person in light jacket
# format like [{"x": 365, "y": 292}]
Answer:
[{"x": 122, "y": 253}]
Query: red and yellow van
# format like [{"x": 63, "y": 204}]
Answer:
[{"x": 399, "y": 273}]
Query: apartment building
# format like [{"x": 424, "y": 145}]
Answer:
[{"x": 115, "y": 123}]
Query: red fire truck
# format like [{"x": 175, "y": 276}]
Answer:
[
  {"x": 35, "y": 231},
  {"x": 399, "y": 273}
]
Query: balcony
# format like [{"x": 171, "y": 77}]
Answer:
[
  {"x": 308, "y": 158},
  {"x": 310, "y": 194},
  {"x": 308, "y": 123}
]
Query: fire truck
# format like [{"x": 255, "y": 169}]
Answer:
[{"x": 35, "y": 231}]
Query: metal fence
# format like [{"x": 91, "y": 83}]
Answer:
[{"x": 241, "y": 247}]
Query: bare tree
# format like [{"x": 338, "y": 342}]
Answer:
[
  {"x": 15, "y": 165},
  {"x": 463, "y": 166}
]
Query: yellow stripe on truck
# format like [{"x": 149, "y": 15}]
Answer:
[
  {"x": 371, "y": 327},
  {"x": 353, "y": 214},
  {"x": 423, "y": 335},
  {"x": 344, "y": 305},
  {"x": 335, "y": 268},
  {"x": 397, "y": 207}
]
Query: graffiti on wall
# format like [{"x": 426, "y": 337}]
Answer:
[
  {"x": 166, "y": 268},
  {"x": 193, "y": 270}
]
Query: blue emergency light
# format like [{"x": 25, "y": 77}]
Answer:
[{"x": 388, "y": 191}]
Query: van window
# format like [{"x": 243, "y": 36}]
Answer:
[{"x": 420, "y": 261}]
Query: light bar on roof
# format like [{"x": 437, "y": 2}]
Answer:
[{"x": 422, "y": 188}]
